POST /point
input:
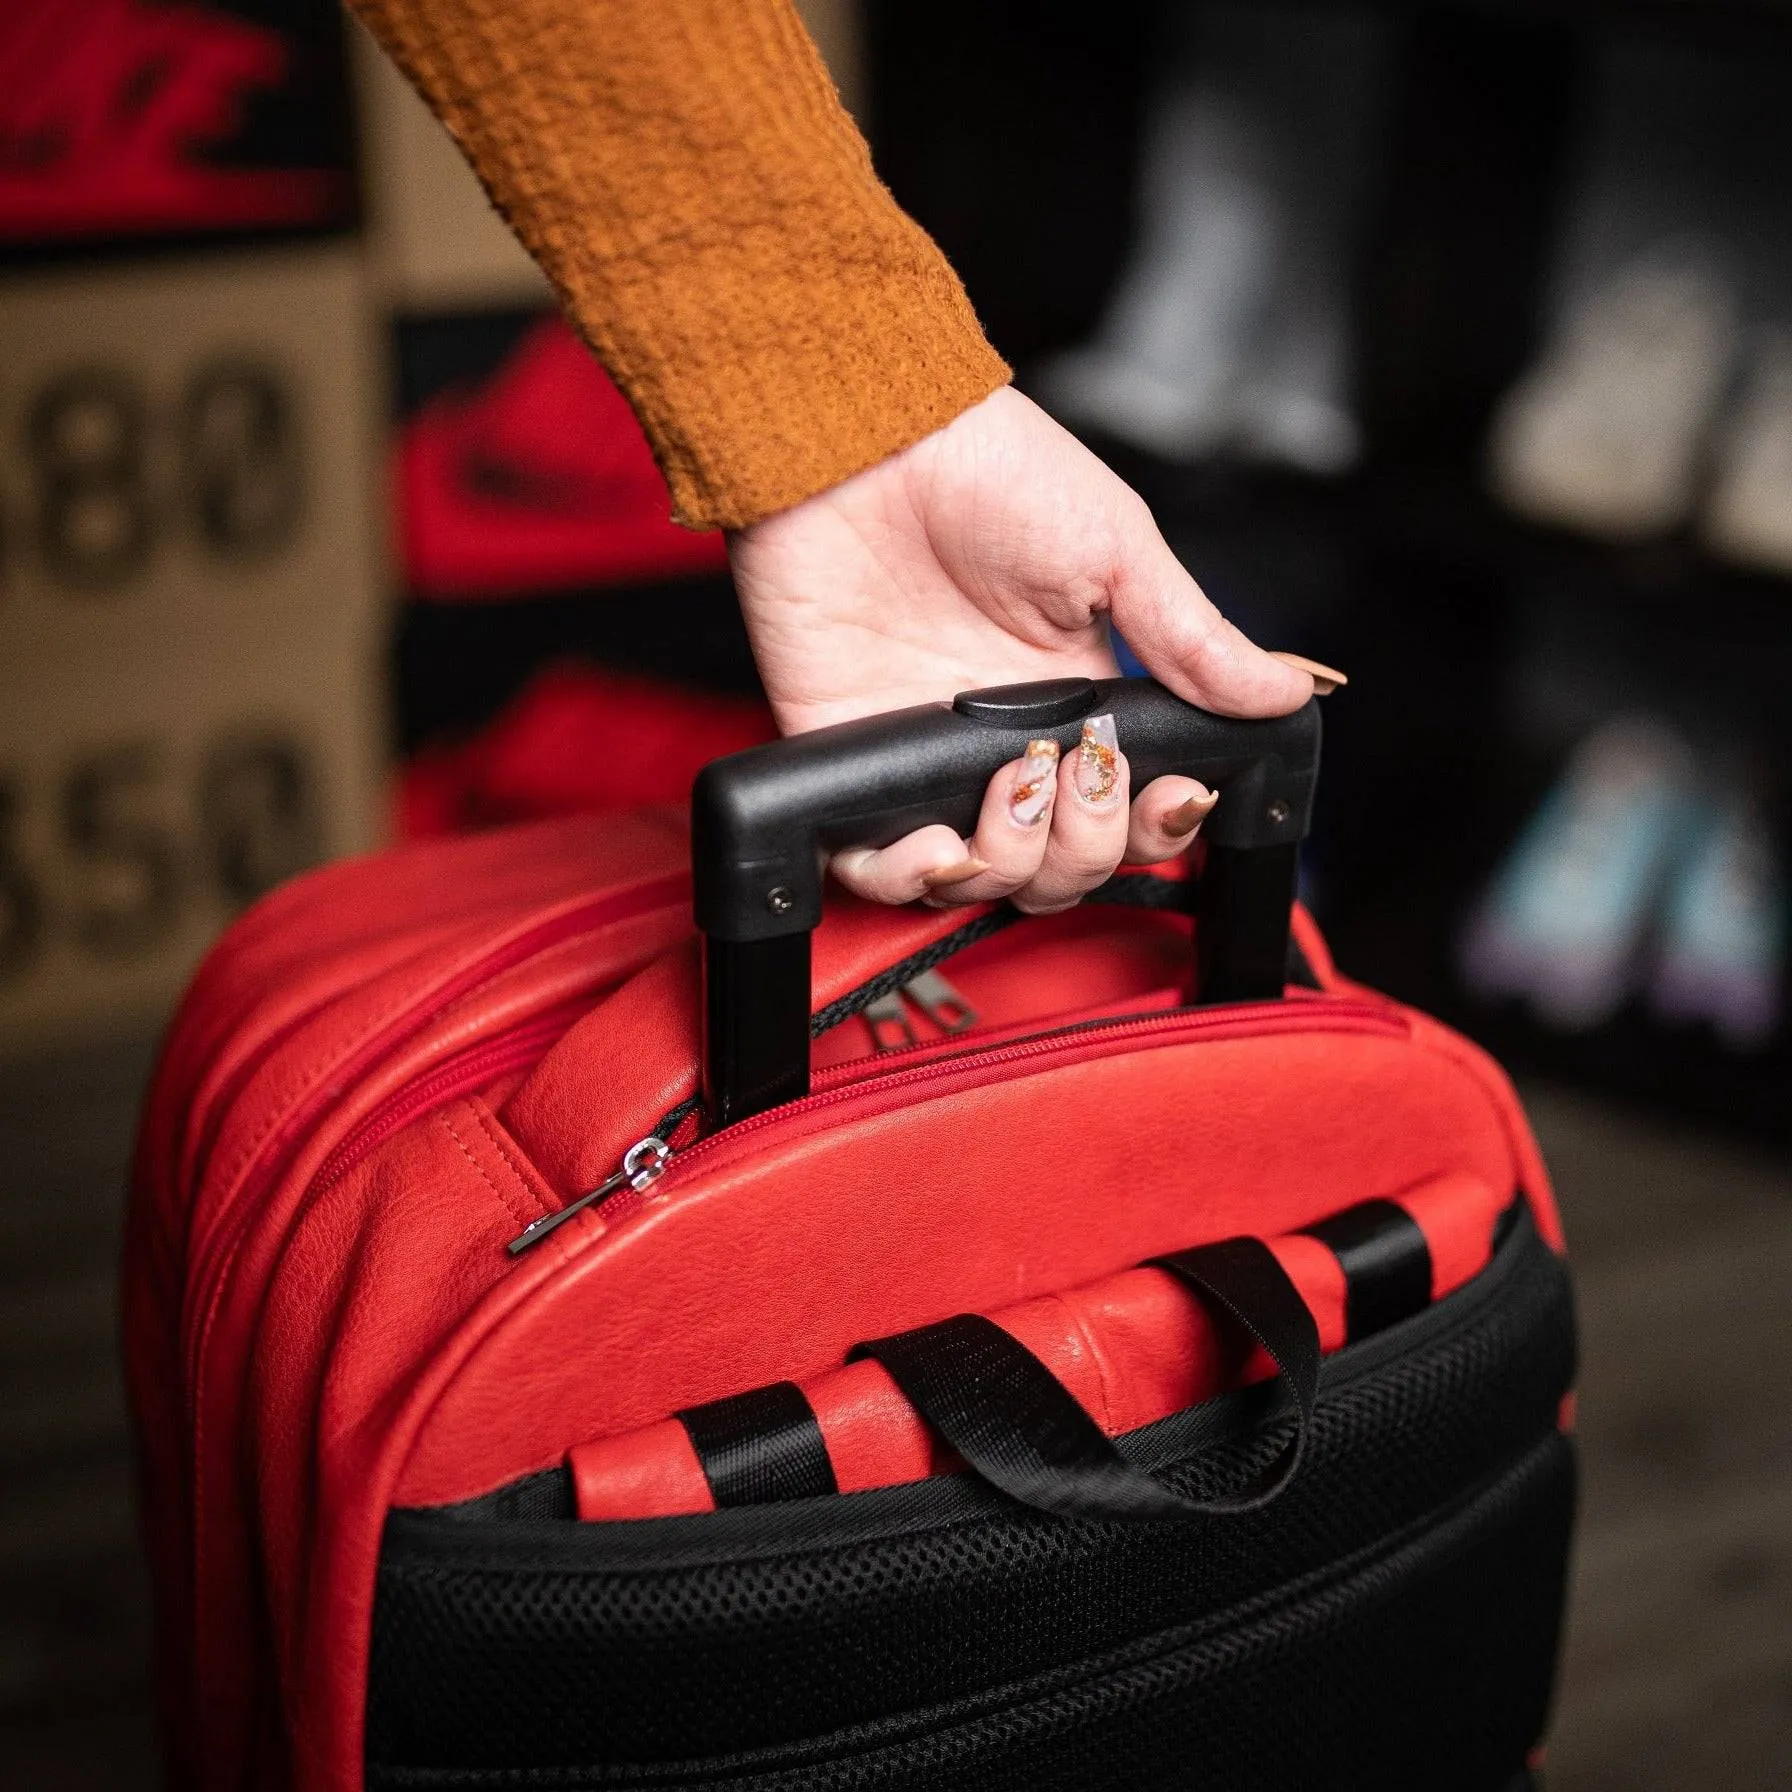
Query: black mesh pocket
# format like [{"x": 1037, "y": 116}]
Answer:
[{"x": 1397, "y": 1607}]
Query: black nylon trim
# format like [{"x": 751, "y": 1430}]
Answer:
[
  {"x": 1018, "y": 1427},
  {"x": 1386, "y": 1262},
  {"x": 759, "y": 1446}
]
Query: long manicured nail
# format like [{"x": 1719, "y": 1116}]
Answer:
[
  {"x": 961, "y": 873},
  {"x": 1098, "y": 760},
  {"x": 1326, "y": 679},
  {"x": 1037, "y": 784},
  {"x": 1186, "y": 817}
]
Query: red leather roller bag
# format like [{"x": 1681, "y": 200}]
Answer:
[{"x": 827, "y": 1346}]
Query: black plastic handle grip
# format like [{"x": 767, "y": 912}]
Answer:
[{"x": 762, "y": 821}]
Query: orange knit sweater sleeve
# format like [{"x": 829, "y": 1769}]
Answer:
[{"x": 707, "y": 211}]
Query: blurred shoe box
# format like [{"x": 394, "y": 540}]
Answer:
[
  {"x": 434, "y": 241},
  {"x": 192, "y": 614}
]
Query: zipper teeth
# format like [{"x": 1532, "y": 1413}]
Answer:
[
  {"x": 950, "y": 1049},
  {"x": 1279, "y": 1016}
]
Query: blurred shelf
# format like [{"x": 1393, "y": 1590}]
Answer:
[
  {"x": 455, "y": 665},
  {"x": 1674, "y": 595}
]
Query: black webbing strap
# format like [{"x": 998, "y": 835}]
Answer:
[
  {"x": 1246, "y": 1278},
  {"x": 1015, "y": 1424},
  {"x": 1386, "y": 1264},
  {"x": 761, "y": 1445}
]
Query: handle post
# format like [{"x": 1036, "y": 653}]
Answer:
[
  {"x": 1243, "y": 898},
  {"x": 755, "y": 1024}
]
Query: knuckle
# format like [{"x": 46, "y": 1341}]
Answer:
[
  {"x": 997, "y": 882},
  {"x": 1199, "y": 634},
  {"x": 870, "y": 888},
  {"x": 1030, "y": 902},
  {"x": 1091, "y": 864},
  {"x": 1010, "y": 862}
]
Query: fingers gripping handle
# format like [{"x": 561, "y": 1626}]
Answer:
[{"x": 763, "y": 820}]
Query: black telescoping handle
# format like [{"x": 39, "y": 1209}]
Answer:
[{"x": 762, "y": 822}]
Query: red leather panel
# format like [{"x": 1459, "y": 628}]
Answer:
[
  {"x": 874, "y": 1437},
  {"x": 1453, "y": 1214},
  {"x": 653, "y": 1473}
]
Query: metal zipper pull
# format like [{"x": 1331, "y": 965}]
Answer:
[
  {"x": 891, "y": 1029},
  {"x": 940, "y": 1002},
  {"x": 642, "y": 1166}
]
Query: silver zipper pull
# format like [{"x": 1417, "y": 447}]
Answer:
[
  {"x": 940, "y": 1002},
  {"x": 891, "y": 1029},
  {"x": 642, "y": 1166}
]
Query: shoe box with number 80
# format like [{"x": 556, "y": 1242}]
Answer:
[{"x": 191, "y": 616}]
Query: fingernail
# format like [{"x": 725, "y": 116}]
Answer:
[
  {"x": 1038, "y": 780},
  {"x": 961, "y": 873},
  {"x": 1098, "y": 760},
  {"x": 1326, "y": 679},
  {"x": 1189, "y": 816}
]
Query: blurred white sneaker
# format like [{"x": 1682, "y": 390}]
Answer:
[
  {"x": 1294, "y": 410},
  {"x": 1565, "y": 919},
  {"x": 1163, "y": 372},
  {"x": 1606, "y": 432},
  {"x": 1749, "y": 517},
  {"x": 1723, "y": 930}
]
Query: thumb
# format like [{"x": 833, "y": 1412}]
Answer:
[{"x": 1184, "y": 642}]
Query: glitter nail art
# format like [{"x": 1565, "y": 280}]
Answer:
[
  {"x": 1032, "y": 794},
  {"x": 1098, "y": 760}
]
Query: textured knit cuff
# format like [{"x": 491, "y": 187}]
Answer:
[{"x": 685, "y": 173}]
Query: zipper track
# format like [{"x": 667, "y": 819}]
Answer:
[
  {"x": 1242, "y": 1021},
  {"x": 512, "y": 1050}
]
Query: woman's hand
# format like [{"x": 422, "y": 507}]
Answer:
[{"x": 995, "y": 551}]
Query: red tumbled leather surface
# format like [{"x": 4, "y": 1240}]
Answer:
[
  {"x": 313, "y": 1339},
  {"x": 773, "y": 1255}
]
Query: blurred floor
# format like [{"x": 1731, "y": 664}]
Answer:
[
  {"x": 1679, "y": 1663},
  {"x": 1679, "y": 1668},
  {"x": 74, "y": 1595}
]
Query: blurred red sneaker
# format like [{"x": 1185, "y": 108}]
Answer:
[
  {"x": 539, "y": 480},
  {"x": 553, "y": 751}
]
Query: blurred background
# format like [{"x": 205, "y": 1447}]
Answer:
[{"x": 1450, "y": 344}]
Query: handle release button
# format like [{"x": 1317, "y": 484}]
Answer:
[{"x": 1044, "y": 705}]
